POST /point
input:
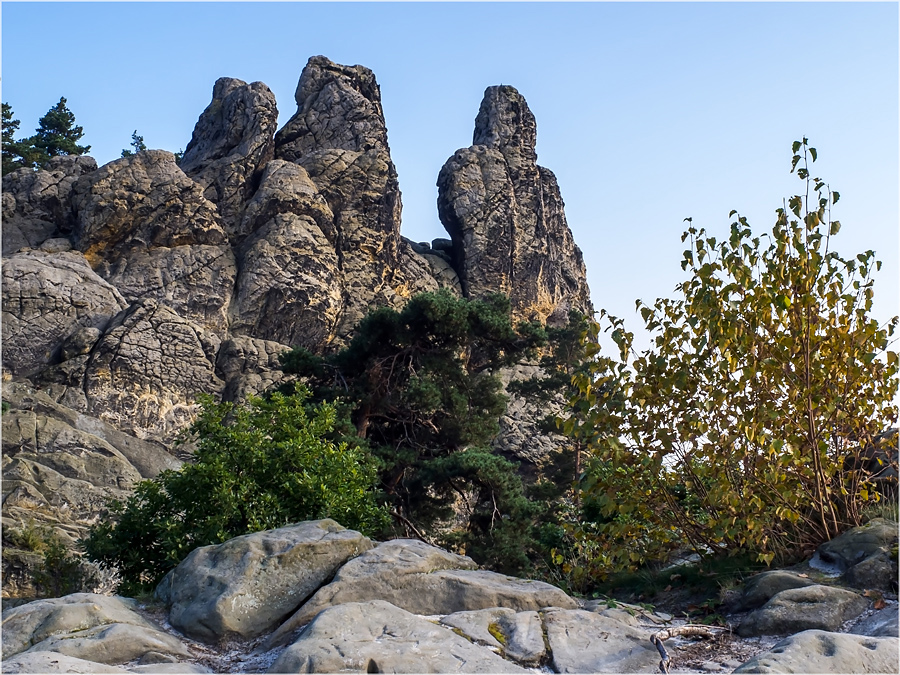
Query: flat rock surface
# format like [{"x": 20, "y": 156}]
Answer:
[
  {"x": 585, "y": 642},
  {"x": 881, "y": 623},
  {"x": 27, "y": 625},
  {"x": 113, "y": 644},
  {"x": 517, "y": 635},
  {"x": 799, "y": 609},
  {"x": 54, "y": 662},
  {"x": 376, "y": 636},
  {"x": 816, "y": 651},
  {"x": 425, "y": 580},
  {"x": 249, "y": 584}
]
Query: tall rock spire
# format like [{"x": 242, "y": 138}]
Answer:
[{"x": 506, "y": 216}]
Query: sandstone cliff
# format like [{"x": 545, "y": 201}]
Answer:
[{"x": 130, "y": 288}]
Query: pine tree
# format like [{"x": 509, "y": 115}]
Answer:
[
  {"x": 137, "y": 142},
  {"x": 57, "y": 134},
  {"x": 16, "y": 154}
]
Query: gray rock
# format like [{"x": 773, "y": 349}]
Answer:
[
  {"x": 46, "y": 298},
  {"x": 376, "y": 636},
  {"x": 518, "y": 635},
  {"x": 882, "y": 623},
  {"x": 249, "y": 584},
  {"x": 144, "y": 374},
  {"x": 113, "y": 644},
  {"x": 798, "y": 609},
  {"x": 338, "y": 107},
  {"x": 393, "y": 569},
  {"x": 816, "y": 651},
  {"x": 506, "y": 218},
  {"x": 878, "y": 571},
  {"x": 80, "y": 342},
  {"x": 857, "y": 544},
  {"x": 58, "y": 245},
  {"x": 141, "y": 201},
  {"x": 249, "y": 366},
  {"x": 759, "y": 589},
  {"x": 585, "y": 642},
  {"x": 37, "y": 204},
  {"x": 196, "y": 280},
  {"x": 54, "y": 662},
  {"x": 423, "y": 579},
  {"x": 170, "y": 669},
  {"x": 232, "y": 142},
  {"x": 30, "y": 624},
  {"x": 290, "y": 288}
]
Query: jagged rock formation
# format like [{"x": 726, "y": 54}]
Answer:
[
  {"x": 232, "y": 143},
  {"x": 131, "y": 288},
  {"x": 505, "y": 216}
]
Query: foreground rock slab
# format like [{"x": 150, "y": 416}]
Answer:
[
  {"x": 249, "y": 584},
  {"x": 377, "y": 637},
  {"x": 585, "y": 642},
  {"x": 114, "y": 644},
  {"x": 27, "y": 625},
  {"x": 816, "y": 651},
  {"x": 426, "y": 580},
  {"x": 518, "y": 635},
  {"x": 52, "y": 662},
  {"x": 799, "y": 609}
]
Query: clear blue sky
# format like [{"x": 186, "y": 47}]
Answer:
[{"x": 647, "y": 112}]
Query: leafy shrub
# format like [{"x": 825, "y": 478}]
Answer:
[
  {"x": 256, "y": 467},
  {"x": 744, "y": 427}
]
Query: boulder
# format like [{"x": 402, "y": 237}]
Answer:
[
  {"x": 113, "y": 644},
  {"x": 232, "y": 142},
  {"x": 54, "y": 662},
  {"x": 759, "y": 589},
  {"x": 799, "y": 609},
  {"x": 585, "y": 642},
  {"x": 37, "y": 204},
  {"x": 517, "y": 635},
  {"x": 878, "y": 571},
  {"x": 377, "y": 637},
  {"x": 422, "y": 579},
  {"x": 249, "y": 584},
  {"x": 46, "y": 298},
  {"x": 857, "y": 544},
  {"x": 132, "y": 213},
  {"x": 506, "y": 217},
  {"x": 881, "y": 623},
  {"x": 816, "y": 651},
  {"x": 28, "y": 625}
]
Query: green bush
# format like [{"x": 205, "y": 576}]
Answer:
[
  {"x": 745, "y": 426},
  {"x": 256, "y": 467}
]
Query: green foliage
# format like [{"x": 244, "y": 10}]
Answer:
[
  {"x": 421, "y": 387},
  {"x": 60, "y": 571},
  {"x": 16, "y": 154},
  {"x": 57, "y": 134},
  {"x": 744, "y": 427},
  {"x": 256, "y": 467},
  {"x": 137, "y": 142}
]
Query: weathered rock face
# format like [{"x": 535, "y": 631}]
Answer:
[
  {"x": 146, "y": 227},
  {"x": 816, "y": 651},
  {"x": 339, "y": 137},
  {"x": 232, "y": 142},
  {"x": 60, "y": 466},
  {"x": 36, "y": 204},
  {"x": 46, "y": 298},
  {"x": 290, "y": 286},
  {"x": 506, "y": 217},
  {"x": 425, "y": 580},
  {"x": 378, "y": 637},
  {"x": 798, "y": 609},
  {"x": 247, "y": 585}
]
